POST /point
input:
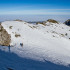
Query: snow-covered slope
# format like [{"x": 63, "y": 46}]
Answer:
[{"x": 50, "y": 42}]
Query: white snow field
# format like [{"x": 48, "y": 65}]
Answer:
[{"x": 44, "y": 47}]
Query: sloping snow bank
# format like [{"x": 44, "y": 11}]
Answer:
[{"x": 40, "y": 42}]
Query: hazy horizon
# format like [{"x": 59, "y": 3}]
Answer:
[{"x": 59, "y": 18}]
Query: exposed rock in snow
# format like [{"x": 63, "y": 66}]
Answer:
[
  {"x": 43, "y": 23},
  {"x": 5, "y": 38},
  {"x": 52, "y": 21},
  {"x": 48, "y": 21},
  {"x": 67, "y": 22}
]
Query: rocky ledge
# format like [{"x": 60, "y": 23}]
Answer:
[{"x": 5, "y": 38}]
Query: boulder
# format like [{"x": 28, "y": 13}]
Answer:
[
  {"x": 5, "y": 38},
  {"x": 67, "y": 22}
]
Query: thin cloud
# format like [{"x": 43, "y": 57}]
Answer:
[{"x": 40, "y": 12}]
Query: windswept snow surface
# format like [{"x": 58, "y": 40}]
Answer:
[{"x": 50, "y": 42}]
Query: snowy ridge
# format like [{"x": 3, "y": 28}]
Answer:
[{"x": 50, "y": 42}]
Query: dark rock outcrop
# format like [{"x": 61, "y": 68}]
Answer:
[
  {"x": 49, "y": 20},
  {"x": 52, "y": 21},
  {"x": 18, "y": 20},
  {"x": 43, "y": 23},
  {"x": 67, "y": 22},
  {"x": 5, "y": 38}
]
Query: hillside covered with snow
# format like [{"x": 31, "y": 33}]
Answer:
[{"x": 41, "y": 43}]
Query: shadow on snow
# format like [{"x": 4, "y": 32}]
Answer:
[{"x": 11, "y": 61}]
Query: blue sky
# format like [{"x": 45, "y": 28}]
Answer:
[{"x": 35, "y": 7}]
